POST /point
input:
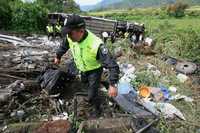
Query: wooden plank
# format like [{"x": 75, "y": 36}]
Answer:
[{"x": 112, "y": 125}]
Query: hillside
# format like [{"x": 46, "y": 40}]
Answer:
[
  {"x": 103, "y": 3},
  {"x": 119, "y": 4}
]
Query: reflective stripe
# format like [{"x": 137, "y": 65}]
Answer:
[
  {"x": 58, "y": 28},
  {"x": 50, "y": 29}
]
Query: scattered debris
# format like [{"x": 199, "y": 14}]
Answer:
[
  {"x": 57, "y": 126},
  {"x": 165, "y": 92},
  {"x": 124, "y": 87},
  {"x": 186, "y": 67},
  {"x": 114, "y": 125},
  {"x": 157, "y": 93},
  {"x": 128, "y": 73},
  {"x": 129, "y": 103},
  {"x": 171, "y": 61},
  {"x": 182, "y": 77},
  {"x": 117, "y": 125},
  {"x": 172, "y": 89},
  {"x": 144, "y": 91},
  {"x": 28, "y": 100},
  {"x": 54, "y": 81},
  {"x": 166, "y": 109},
  {"x": 148, "y": 42},
  {"x": 179, "y": 97},
  {"x": 14, "y": 40},
  {"x": 62, "y": 116},
  {"x": 118, "y": 52},
  {"x": 153, "y": 69}
]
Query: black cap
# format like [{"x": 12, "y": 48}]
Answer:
[{"x": 73, "y": 22}]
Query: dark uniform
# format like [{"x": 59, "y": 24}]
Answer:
[{"x": 93, "y": 78}]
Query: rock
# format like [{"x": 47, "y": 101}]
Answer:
[{"x": 58, "y": 126}]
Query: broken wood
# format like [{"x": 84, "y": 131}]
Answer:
[
  {"x": 11, "y": 76},
  {"x": 5, "y": 47},
  {"x": 58, "y": 126},
  {"x": 16, "y": 87},
  {"x": 147, "y": 126},
  {"x": 22, "y": 127},
  {"x": 113, "y": 125},
  {"x": 17, "y": 74}
]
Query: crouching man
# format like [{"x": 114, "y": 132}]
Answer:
[{"x": 90, "y": 56}]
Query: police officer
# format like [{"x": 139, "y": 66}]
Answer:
[
  {"x": 90, "y": 56},
  {"x": 49, "y": 28},
  {"x": 58, "y": 29}
]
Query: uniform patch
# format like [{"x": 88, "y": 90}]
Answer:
[{"x": 104, "y": 50}]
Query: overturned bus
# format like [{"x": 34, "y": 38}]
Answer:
[{"x": 105, "y": 28}]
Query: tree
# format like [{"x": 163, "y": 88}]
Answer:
[
  {"x": 5, "y": 14},
  {"x": 71, "y": 7},
  {"x": 28, "y": 17},
  {"x": 60, "y": 5}
]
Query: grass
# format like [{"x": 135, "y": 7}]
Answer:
[
  {"x": 168, "y": 78},
  {"x": 178, "y": 38},
  {"x": 193, "y": 8},
  {"x": 183, "y": 34}
]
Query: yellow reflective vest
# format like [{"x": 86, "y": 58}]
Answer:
[
  {"x": 58, "y": 28},
  {"x": 50, "y": 29},
  {"x": 85, "y": 52}
]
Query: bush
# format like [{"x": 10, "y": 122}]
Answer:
[
  {"x": 32, "y": 17},
  {"x": 28, "y": 17},
  {"x": 180, "y": 43},
  {"x": 67, "y": 6},
  {"x": 195, "y": 13},
  {"x": 5, "y": 14},
  {"x": 177, "y": 9}
]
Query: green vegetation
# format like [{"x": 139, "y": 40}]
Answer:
[
  {"x": 59, "y": 5},
  {"x": 167, "y": 78},
  {"x": 16, "y": 15},
  {"x": 177, "y": 9},
  {"x": 5, "y": 14},
  {"x": 28, "y": 17},
  {"x": 124, "y": 4},
  {"x": 177, "y": 37}
]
